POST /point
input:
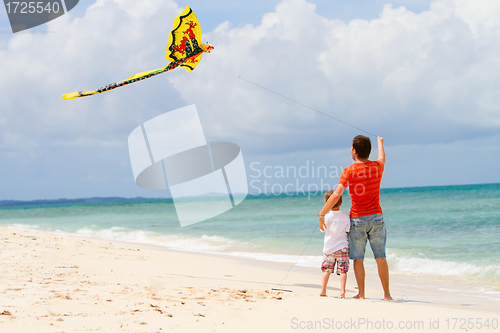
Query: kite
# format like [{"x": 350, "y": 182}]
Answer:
[{"x": 184, "y": 49}]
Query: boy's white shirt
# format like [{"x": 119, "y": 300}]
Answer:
[{"x": 337, "y": 225}]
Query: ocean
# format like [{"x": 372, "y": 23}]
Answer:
[{"x": 446, "y": 232}]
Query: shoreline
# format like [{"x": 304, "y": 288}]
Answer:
[
  {"x": 469, "y": 284},
  {"x": 55, "y": 283}
]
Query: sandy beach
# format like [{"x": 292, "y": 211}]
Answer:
[{"x": 60, "y": 283}]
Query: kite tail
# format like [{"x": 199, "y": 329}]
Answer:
[{"x": 132, "y": 79}]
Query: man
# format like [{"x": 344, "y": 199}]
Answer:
[{"x": 367, "y": 222}]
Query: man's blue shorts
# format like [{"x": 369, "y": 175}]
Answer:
[{"x": 371, "y": 227}]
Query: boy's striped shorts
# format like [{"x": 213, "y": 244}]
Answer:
[{"x": 341, "y": 257}]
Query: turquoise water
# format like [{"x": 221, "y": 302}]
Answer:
[{"x": 446, "y": 231}]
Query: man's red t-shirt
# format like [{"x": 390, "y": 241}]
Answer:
[{"x": 363, "y": 181}]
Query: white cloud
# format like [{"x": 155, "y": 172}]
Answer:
[{"x": 400, "y": 74}]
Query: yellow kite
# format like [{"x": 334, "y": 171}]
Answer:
[{"x": 184, "y": 50}]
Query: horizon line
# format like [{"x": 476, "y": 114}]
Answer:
[{"x": 14, "y": 202}]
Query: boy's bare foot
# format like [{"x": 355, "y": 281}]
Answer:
[
  {"x": 387, "y": 298},
  {"x": 323, "y": 294},
  {"x": 358, "y": 296}
]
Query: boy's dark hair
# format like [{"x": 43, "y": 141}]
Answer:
[
  {"x": 362, "y": 145},
  {"x": 327, "y": 196}
]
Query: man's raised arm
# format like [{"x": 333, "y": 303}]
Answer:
[{"x": 381, "y": 151}]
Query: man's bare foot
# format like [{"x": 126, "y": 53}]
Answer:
[
  {"x": 323, "y": 294},
  {"x": 387, "y": 298},
  {"x": 358, "y": 296}
]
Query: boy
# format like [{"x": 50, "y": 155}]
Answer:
[
  {"x": 367, "y": 221},
  {"x": 336, "y": 246}
]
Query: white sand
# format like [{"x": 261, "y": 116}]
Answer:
[{"x": 52, "y": 283}]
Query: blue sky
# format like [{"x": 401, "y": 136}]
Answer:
[
  {"x": 422, "y": 74},
  {"x": 244, "y": 12}
]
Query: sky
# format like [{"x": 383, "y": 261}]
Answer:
[{"x": 424, "y": 75}]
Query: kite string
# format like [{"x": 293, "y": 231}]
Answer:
[
  {"x": 308, "y": 107},
  {"x": 239, "y": 77},
  {"x": 296, "y": 262},
  {"x": 290, "y": 99}
]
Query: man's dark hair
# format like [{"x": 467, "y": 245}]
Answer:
[{"x": 362, "y": 145}]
